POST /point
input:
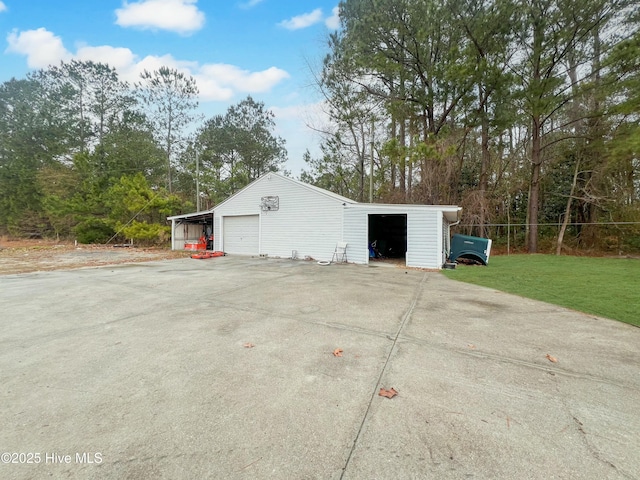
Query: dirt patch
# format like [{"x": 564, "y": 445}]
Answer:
[{"x": 22, "y": 256}]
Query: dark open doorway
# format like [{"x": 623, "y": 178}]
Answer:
[{"x": 387, "y": 236}]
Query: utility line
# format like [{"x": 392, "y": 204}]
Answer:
[{"x": 131, "y": 219}]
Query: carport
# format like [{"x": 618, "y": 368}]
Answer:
[{"x": 190, "y": 227}]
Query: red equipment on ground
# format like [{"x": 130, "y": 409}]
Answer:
[{"x": 205, "y": 255}]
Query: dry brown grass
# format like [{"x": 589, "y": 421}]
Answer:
[{"x": 23, "y": 255}]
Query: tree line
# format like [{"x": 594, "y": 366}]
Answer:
[
  {"x": 522, "y": 112},
  {"x": 86, "y": 155}
]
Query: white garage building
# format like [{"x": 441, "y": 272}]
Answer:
[{"x": 277, "y": 216}]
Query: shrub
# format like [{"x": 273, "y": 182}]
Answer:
[
  {"x": 93, "y": 230},
  {"x": 147, "y": 233}
]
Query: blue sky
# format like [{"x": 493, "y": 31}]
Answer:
[{"x": 263, "y": 48}]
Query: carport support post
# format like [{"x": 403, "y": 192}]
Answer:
[{"x": 173, "y": 234}]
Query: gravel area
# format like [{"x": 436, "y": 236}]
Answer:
[{"x": 25, "y": 256}]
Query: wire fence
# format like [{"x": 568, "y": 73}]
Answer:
[
  {"x": 548, "y": 224},
  {"x": 608, "y": 238}
]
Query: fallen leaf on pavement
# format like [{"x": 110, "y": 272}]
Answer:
[
  {"x": 337, "y": 352},
  {"x": 472, "y": 346},
  {"x": 388, "y": 393},
  {"x": 248, "y": 345},
  {"x": 552, "y": 358}
]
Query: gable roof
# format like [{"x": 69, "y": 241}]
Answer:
[
  {"x": 452, "y": 212},
  {"x": 319, "y": 190},
  {"x": 313, "y": 188}
]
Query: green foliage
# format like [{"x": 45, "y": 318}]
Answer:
[
  {"x": 93, "y": 230},
  {"x": 30, "y": 139},
  {"x": 59, "y": 187},
  {"x": 600, "y": 286},
  {"x": 488, "y": 105},
  {"x": 328, "y": 173},
  {"x": 132, "y": 194},
  {"x": 91, "y": 97},
  {"x": 170, "y": 98},
  {"x": 139, "y": 212},
  {"x": 146, "y": 233},
  {"x": 127, "y": 148},
  {"x": 68, "y": 134},
  {"x": 237, "y": 148}
]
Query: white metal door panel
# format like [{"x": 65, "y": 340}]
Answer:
[{"x": 241, "y": 234}]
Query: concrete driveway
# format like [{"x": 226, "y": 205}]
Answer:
[{"x": 143, "y": 371}]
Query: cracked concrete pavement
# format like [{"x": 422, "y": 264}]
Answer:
[{"x": 141, "y": 371}]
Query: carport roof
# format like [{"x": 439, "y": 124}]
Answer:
[{"x": 194, "y": 217}]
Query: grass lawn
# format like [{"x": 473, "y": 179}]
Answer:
[{"x": 606, "y": 287}]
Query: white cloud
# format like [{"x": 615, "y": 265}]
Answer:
[
  {"x": 181, "y": 16},
  {"x": 216, "y": 82},
  {"x": 222, "y": 79},
  {"x": 153, "y": 62},
  {"x": 119, "y": 58},
  {"x": 303, "y": 21},
  {"x": 3, "y": 7},
  {"x": 333, "y": 22},
  {"x": 41, "y": 47}
]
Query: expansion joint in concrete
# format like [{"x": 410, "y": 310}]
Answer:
[{"x": 394, "y": 339}]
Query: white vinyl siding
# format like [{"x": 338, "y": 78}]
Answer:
[
  {"x": 356, "y": 234},
  {"x": 307, "y": 220},
  {"x": 424, "y": 232},
  {"x": 311, "y": 221},
  {"x": 424, "y": 239},
  {"x": 241, "y": 234},
  {"x": 217, "y": 231}
]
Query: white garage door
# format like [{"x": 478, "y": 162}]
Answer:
[{"x": 241, "y": 235}]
